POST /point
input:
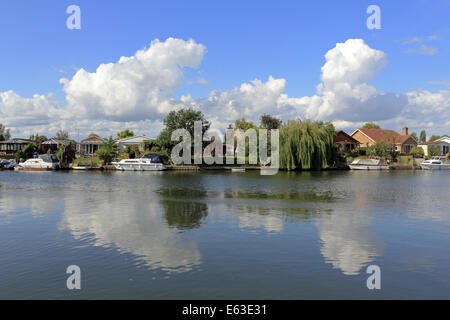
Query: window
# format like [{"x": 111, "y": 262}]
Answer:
[{"x": 407, "y": 148}]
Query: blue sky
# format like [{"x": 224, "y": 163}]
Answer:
[{"x": 244, "y": 40}]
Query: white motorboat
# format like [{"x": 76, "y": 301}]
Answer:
[
  {"x": 436, "y": 163},
  {"x": 43, "y": 162},
  {"x": 149, "y": 162},
  {"x": 369, "y": 164}
]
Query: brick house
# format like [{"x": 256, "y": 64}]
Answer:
[
  {"x": 403, "y": 142},
  {"x": 346, "y": 143}
]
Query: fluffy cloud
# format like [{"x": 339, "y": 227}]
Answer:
[
  {"x": 134, "y": 88},
  {"x": 249, "y": 101},
  {"x": 344, "y": 93},
  {"x": 138, "y": 91},
  {"x": 18, "y": 111}
]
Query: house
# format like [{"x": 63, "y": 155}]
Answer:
[
  {"x": 135, "y": 142},
  {"x": 11, "y": 146},
  {"x": 443, "y": 143},
  {"x": 346, "y": 143},
  {"x": 90, "y": 145},
  {"x": 403, "y": 142},
  {"x": 52, "y": 145}
]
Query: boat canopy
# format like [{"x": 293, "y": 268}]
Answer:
[
  {"x": 367, "y": 161},
  {"x": 155, "y": 158},
  {"x": 49, "y": 158}
]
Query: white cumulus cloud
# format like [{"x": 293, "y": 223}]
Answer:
[
  {"x": 134, "y": 88},
  {"x": 137, "y": 92}
]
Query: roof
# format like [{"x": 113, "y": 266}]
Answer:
[
  {"x": 342, "y": 136},
  {"x": 436, "y": 142},
  {"x": 57, "y": 141},
  {"x": 93, "y": 138},
  {"x": 17, "y": 140},
  {"x": 444, "y": 138},
  {"x": 134, "y": 139},
  {"x": 380, "y": 135}
]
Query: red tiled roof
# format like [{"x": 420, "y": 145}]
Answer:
[
  {"x": 379, "y": 135},
  {"x": 341, "y": 136}
]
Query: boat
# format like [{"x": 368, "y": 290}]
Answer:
[
  {"x": 5, "y": 164},
  {"x": 238, "y": 170},
  {"x": 81, "y": 168},
  {"x": 369, "y": 164},
  {"x": 436, "y": 163},
  {"x": 149, "y": 162},
  {"x": 43, "y": 162}
]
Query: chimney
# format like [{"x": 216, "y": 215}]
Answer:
[{"x": 405, "y": 131}]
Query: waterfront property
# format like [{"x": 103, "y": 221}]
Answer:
[
  {"x": 132, "y": 142},
  {"x": 11, "y": 146},
  {"x": 403, "y": 142},
  {"x": 443, "y": 144},
  {"x": 90, "y": 145},
  {"x": 52, "y": 145},
  {"x": 346, "y": 142}
]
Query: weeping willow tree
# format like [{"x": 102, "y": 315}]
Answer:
[{"x": 306, "y": 145}]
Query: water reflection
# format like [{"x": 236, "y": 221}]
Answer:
[
  {"x": 250, "y": 217},
  {"x": 184, "y": 215},
  {"x": 135, "y": 226},
  {"x": 346, "y": 242},
  {"x": 15, "y": 202}
]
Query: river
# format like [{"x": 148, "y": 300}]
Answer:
[{"x": 224, "y": 235}]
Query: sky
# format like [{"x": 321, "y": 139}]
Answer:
[{"x": 132, "y": 62}]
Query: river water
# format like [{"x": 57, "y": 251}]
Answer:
[{"x": 224, "y": 235}]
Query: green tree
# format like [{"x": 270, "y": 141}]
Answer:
[
  {"x": 433, "y": 151},
  {"x": 4, "y": 133},
  {"x": 434, "y": 137},
  {"x": 423, "y": 136},
  {"x": 371, "y": 125},
  {"x": 62, "y": 135},
  {"x": 27, "y": 152},
  {"x": 307, "y": 145},
  {"x": 181, "y": 119},
  {"x": 108, "y": 151},
  {"x": 268, "y": 122},
  {"x": 125, "y": 134},
  {"x": 244, "y": 124},
  {"x": 151, "y": 145},
  {"x": 37, "y": 138},
  {"x": 414, "y": 135},
  {"x": 66, "y": 153}
]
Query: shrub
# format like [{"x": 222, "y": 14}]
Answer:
[
  {"x": 417, "y": 152},
  {"x": 27, "y": 152},
  {"x": 108, "y": 151}
]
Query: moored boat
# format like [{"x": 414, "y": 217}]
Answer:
[
  {"x": 149, "y": 162},
  {"x": 369, "y": 164},
  {"x": 44, "y": 162},
  {"x": 5, "y": 164},
  {"x": 436, "y": 163}
]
